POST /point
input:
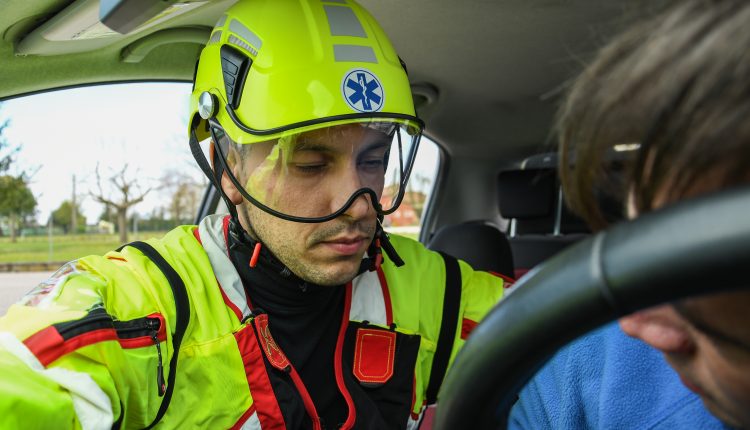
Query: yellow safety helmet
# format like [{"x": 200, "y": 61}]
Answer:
[{"x": 276, "y": 75}]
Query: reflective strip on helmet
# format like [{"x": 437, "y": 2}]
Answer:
[
  {"x": 91, "y": 404},
  {"x": 343, "y": 22},
  {"x": 221, "y": 21},
  {"x": 363, "y": 54},
  {"x": 240, "y": 30},
  {"x": 215, "y": 37},
  {"x": 212, "y": 237}
]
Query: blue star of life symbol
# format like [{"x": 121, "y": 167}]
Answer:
[{"x": 362, "y": 91}]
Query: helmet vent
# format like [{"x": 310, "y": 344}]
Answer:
[
  {"x": 234, "y": 65},
  {"x": 234, "y": 40}
]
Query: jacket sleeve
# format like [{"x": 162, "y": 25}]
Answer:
[
  {"x": 480, "y": 292},
  {"x": 67, "y": 362}
]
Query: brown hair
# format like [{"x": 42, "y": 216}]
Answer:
[{"x": 678, "y": 85}]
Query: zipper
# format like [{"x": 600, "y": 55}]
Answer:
[
  {"x": 96, "y": 319},
  {"x": 130, "y": 334},
  {"x": 134, "y": 331},
  {"x": 154, "y": 324}
]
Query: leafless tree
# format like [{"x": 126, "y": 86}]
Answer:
[
  {"x": 184, "y": 194},
  {"x": 129, "y": 193}
]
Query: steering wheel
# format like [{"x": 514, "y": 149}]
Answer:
[{"x": 694, "y": 247}]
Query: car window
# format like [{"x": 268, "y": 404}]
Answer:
[
  {"x": 83, "y": 170},
  {"x": 407, "y": 220}
]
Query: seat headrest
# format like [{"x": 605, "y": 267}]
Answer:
[
  {"x": 525, "y": 194},
  {"x": 479, "y": 243}
]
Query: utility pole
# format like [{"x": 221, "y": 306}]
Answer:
[
  {"x": 73, "y": 209},
  {"x": 49, "y": 239}
]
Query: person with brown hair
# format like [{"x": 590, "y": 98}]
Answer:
[{"x": 676, "y": 87}]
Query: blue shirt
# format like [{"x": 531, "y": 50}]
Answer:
[{"x": 608, "y": 380}]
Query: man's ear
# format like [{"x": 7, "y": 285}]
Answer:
[
  {"x": 230, "y": 190},
  {"x": 226, "y": 184}
]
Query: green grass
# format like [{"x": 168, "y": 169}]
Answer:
[
  {"x": 33, "y": 249},
  {"x": 36, "y": 249}
]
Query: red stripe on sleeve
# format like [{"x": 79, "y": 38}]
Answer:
[
  {"x": 240, "y": 422},
  {"x": 466, "y": 327},
  {"x": 508, "y": 281},
  {"x": 47, "y": 345}
]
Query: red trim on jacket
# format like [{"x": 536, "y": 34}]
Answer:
[
  {"x": 508, "y": 281},
  {"x": 386, "y": 297},
  {"x": 467, "y": 326},
  {"x": 337, "y": 361},
  {"x": 266, "y": 405},
  {"x": 47, "y": 345},
  {"x": 274, "y": 354},
  {"x": 276, "y": 357},
  {"x": 520, "y": 272},
  {"x": 306, "y": 398},
  {"x": 225, "y": 230},
  {"x": 229, "y": 303},
  {"x": 141, "y": 341},
  {"x": 224, "y": 297},
  {"x": 243, "y": 419},
  {"x": 110, "y": 257}
]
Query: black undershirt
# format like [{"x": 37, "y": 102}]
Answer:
[{"x": 304, "y": 319}]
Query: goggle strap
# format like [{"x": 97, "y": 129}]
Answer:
[
  {"x": 209, "y": 172},
  {"x": 218, "y": 171}
]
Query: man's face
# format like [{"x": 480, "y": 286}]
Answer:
[
  {"x": 311, "y": 176},
  {"x": 707, "y": 341}
]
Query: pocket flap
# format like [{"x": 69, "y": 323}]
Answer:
[{"x": 374, "y": 353}]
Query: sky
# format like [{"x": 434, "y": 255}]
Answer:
[{"x": 67, "y": 132}]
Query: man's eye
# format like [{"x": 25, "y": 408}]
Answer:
[
  {"x": 374, "y": 163},
  {"x": 310, "y": 168}
]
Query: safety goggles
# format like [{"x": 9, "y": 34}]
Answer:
[{"x": 314, "y": 174}]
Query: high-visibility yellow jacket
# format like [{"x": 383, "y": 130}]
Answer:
[{"x": 94, "y": 346}]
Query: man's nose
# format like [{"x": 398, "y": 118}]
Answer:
[
  {"x": 661, "y": 328},
  {"x": 360, "y": 207}
]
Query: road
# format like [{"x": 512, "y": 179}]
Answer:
[{"x": 15, "y": 284}]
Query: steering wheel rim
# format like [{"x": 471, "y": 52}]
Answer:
[{"x": 694, "y": 247}]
